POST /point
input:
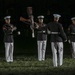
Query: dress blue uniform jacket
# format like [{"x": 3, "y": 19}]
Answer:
[
  {"x": 71, "y": 33},
  {"x": 42, "y": 33},
  {"x": 8, "y": 33},
  {"x": 56, "y": 27}
]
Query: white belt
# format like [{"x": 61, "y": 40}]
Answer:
[
  {"x": 54, "y": 32},
  {"x": 41, "y": 31},
  {"x": 73, "y": 33}
]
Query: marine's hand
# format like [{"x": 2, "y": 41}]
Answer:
[
  {"x": 65, "y": 41},
  {"x": 18, "y": 32},
  {"x": 69, "y": 41}
]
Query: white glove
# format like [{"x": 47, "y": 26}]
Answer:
[
  {"x": 33, "y": 35},
  {"x": 18, "y": 32},
  {"x": 69, "y": 41},
  {"x": 48, "y": 31},
  {"x": 65, "y": 41}
]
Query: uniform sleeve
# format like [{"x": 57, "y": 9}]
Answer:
[
  {"x": 62, "y": 33},
  {"x": 8, "y": 29}
]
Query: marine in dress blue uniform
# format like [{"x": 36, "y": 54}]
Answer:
[
  {"x": 71, "y": 37},
  {"x": 41, "y": 38},
  {"x": 8, "y": 39},
  {"x": 57, "y": 38}
]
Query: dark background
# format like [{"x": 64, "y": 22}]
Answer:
[{"x": 24, "y": 43}]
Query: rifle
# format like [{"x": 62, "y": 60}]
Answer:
[
  {"x": 30, "y": 14},
  {"x": 29, "y": 21}
]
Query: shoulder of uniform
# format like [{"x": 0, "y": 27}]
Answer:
[{"x": 60, "y": 26}]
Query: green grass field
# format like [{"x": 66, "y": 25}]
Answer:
[
  {"x": 29, "y": 65},
  {"x": 26, "y": 63}
]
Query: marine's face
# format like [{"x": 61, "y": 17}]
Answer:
[
  {"x": 40, "y": 20},
  {"x": 7, "y": 21},
  {"x": 56, "y": 19}
]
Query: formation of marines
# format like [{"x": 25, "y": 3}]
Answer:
[{"x": 55, "y": 29}]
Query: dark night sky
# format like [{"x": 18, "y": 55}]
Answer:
[{"x": 17, "y": 8}]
